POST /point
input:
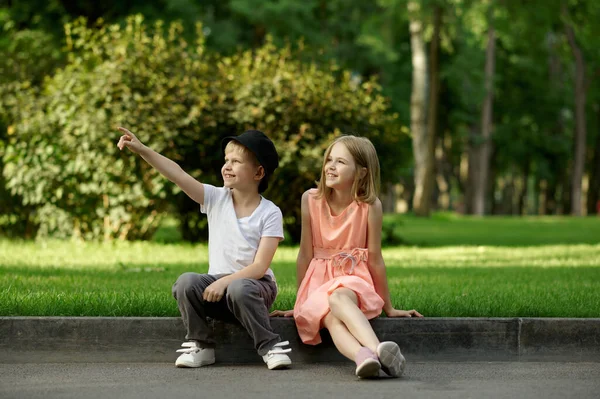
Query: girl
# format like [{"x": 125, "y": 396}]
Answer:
[{"x": 340, "y": 268}]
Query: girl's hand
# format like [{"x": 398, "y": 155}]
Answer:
[
  {"x": 282, "y": 313},
  {"x": 129, "y": 140},
  {"x": 403, "y": 313}
]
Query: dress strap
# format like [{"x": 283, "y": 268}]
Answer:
[{"x": 341, "y": 257}]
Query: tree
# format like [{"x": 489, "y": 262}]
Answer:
[
  {"x": 422, "y": 151},
  {"x": 580, "y": 118},
  {"x": 483, "y": 148}
]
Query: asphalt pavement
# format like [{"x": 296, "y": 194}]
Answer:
[{"x": 545, "y": 380}]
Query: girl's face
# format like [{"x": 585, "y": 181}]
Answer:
[{"x": 340, "y": 168}]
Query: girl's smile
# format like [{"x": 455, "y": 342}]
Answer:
[{"x": 340, "y": 167}]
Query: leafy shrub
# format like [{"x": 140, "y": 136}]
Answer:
[{"x": 181, "y": 102}]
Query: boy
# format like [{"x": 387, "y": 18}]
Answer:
[{"x": 244, "y": 231}]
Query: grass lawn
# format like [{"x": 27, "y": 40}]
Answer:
[
  {"x": 456, "y": 266},
  {"x": 449, "y": 229}
]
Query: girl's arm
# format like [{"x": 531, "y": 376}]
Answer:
[
  {"x": 377, "y": 265},
  {"x": 305, "y": 254},
  {"x": 169, "y": 169}
]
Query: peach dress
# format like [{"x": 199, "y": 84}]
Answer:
[{"x": 339, "y": 260}]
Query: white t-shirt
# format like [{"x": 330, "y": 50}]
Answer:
[{"x": 233, "y": 242}]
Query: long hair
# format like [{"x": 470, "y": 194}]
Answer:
[{"x": 365, "y": 189}]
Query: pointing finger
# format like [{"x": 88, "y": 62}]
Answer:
[{"x": 127, "y": 132}]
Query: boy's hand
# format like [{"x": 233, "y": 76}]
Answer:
[
  {"x": 403, "y": 313},
  {"x": 215, "y": 291},
  {"x": 129, "y": 140},
  {"x": 282, "y": 313}
]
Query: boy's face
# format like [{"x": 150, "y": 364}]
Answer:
[{"x": 239, "y": 171}]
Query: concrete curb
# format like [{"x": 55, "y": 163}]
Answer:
[{"x": 141, "y": 339}]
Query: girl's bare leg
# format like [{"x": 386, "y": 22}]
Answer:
[
  {"x": 344, "y": 306},
  {"x": 342, "y": 338}
]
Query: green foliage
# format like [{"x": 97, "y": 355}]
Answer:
[
  {"x": 26, "y": 56},
  {"x": 231, "y": 90},
  {"x": 301, "y": 107},
  {"x": 62, "y": 157},
  {"x": 391, "y": 231}
]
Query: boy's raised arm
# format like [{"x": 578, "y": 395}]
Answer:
[{"x": 169, "y": 169}]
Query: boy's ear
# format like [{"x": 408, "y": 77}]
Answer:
[{"x": 260, "y": 173}]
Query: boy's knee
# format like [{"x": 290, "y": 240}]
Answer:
[
  {"x": 186, "y": 279},
  {"x": 239, "y": 290},
  {"x": 185, "y": 283}
]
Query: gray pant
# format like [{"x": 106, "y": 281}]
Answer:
[{"x": 246, "y": 301}]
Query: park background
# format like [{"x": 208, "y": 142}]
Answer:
[{"x": 485, "y": 115}]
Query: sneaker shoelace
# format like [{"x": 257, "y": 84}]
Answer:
[
  {"x": 278, "y": 349},
  {"x": 190, "y": 347}
]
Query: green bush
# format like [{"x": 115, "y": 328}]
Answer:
[
  {"x": 302, "y": 108},
  {"x": 62, "y": 158},
  {"x": 390, "y": 235},
  {"x": 26, "y": 57}
]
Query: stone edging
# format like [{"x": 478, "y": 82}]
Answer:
[{"x": 141, "y": 339}]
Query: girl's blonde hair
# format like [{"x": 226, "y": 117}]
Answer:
[{"x": 365, "y": 189}]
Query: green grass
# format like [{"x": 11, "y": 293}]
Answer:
[
  {"x": 444, "y": 229},
  {"x": 453, "y": 274}
]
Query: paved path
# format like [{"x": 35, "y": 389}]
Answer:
[{"x": 422, "y": 380}]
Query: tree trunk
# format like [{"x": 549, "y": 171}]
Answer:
[
  {"x": 565, "y": 194},
  {"x": 418, "y": 112},
  {"x": 580, "y": 128},
  {"x": 594, "y": 189},
  {"x": 472, "y": 168},
  {"x": 388, "y": 199},
  {"x": 484, "y": 148},
  {"x": 523, "y": 194},
  {"x": 542, "y": 208},
  {"x": 492, "y": 182},
  {"x": 443, "y": 173},
  {"x": 506, "y": 207},
  {"x": 552, "y": 193},
  {"x": 432, "y": 116}
]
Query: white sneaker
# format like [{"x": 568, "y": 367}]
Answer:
[
  {"x": 194, "y": 356},
  {"x": 276, "y": 358},
  {"x": 392, "y": 361}
]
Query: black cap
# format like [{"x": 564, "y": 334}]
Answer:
[{"x": 264, "y": 150}]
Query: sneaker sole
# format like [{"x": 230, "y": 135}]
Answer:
[
  {"x": 368, "y": 369},
  {"x": 392, "y": 361},
  {"x": 194, "y": 365},
  {"x": 282, "y": 364}
]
